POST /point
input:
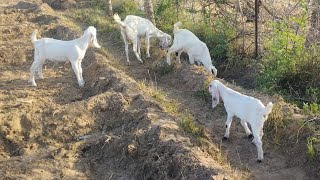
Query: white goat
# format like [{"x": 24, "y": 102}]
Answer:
[
  {"x": 135, "y": 27},
  {"x": 185, "y": 40},
  {"x": 62, "y": 51},
  {"x": 248, "y": 109}
]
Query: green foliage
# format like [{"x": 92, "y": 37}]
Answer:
[
  {"x": 311, "y": 108},
  {"x": 162, "y": 68},
  {"x": 165, "y": 15},
  {"x": 289, "y": 67},
  {"x": 98, "y": 20},
  {"x": 126, "y": 7},
  {"x": 310, "y": 145},
  {"x": 285, "y": 50},
  {"x": 188, "y": 125},
  {"x": 204, "y": 93}
]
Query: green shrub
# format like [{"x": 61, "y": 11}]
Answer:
[
  {"x": 311, "y": 108},
  {"x": 126, "y": 7},
  {"x": 310, "y": 145},
  {"x": 289, "y": 67}
]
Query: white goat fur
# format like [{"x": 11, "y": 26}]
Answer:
[
  {"x": 185, "y": 40},
  {"x": 135, "y": 27},
  {"x": 62, "y": 51},
  {"x": 248, "y": 109}
]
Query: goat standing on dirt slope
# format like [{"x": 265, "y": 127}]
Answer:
[
  {"x": 135, "y": 27},
  {"x": 248, "y": 109},
  {"x": 62, "y": 51},
  {"x": 185, "y": 40}
]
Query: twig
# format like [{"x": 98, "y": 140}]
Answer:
[
  {"x": 111, "y": 175},
  {"x": 239, "y": 155},
  {"x": 303, "y": 126}
]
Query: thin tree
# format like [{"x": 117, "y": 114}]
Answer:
[
  {"x": 149, "y": 10},
  {"x": 109, "y": 11},
  {"x": 256, "y": 16}
]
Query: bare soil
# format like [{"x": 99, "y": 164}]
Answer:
[{"x": 112, "y": 129}]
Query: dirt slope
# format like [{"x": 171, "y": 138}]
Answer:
[
  {"x": 127, "y": 134},
  {"x": 107, "y": 130}
]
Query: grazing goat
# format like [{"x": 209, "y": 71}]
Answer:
[
  {"x": 135, "y": 27},
  {"x": 248, "y": 109},
  {"x": 62, "y": 51},
  {"x": 185, "y": 40}
]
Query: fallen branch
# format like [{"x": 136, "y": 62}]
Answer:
[{"x": 310, "y": 120}]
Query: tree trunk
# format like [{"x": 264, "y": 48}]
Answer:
[
  {"x": 314, "y": 21},
  {"x": 256, "y": 16},
  {"x": 149, "y": 10},
  {"x": 109, "y": 8},
  {"x": 313, "y": 35}
]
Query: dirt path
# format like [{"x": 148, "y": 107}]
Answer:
[{"x": 131, "y": 135}]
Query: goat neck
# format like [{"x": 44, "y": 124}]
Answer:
[
  {"x": 223, "y": 90},
  {"x": 159, "y": 33},
  {"x": 84, "y": 41}
]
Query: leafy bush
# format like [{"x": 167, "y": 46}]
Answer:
[
  {"x": 126, "y": 7},
  {"x": 289, "y": 67},
  {"x": 284, "y": 51}
]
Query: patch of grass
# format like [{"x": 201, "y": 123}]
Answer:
[
  {"x": 310, "y": 145},
  {"x": 162, "y": 68},
  {"x": 188, "y": 125},
  {"x": 276, "y": 119},
  {"x": 204, "y": 93},
  {"x": 99, "y": 20},
  {"x": 311, "y": 108},
  {"x": 186, "y": 120}
]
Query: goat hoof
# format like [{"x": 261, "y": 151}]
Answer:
[
  {"x": 250, "y": 136},
  {"x": 259, "y": 161},
  {"x": 224, "y": 138},
  {"x": 128, "y": 64}
]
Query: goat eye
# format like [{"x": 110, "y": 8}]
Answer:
[
  {"x": 210, "y": 85},
  {"x": 214, "y": 99}
]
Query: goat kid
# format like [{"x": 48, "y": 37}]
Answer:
[
  {"x": 135, "y": 27},
  {"x": 185, "y": 41},
  {"x": 248, "y": 109},
  {"x": 62, "y": 51}
]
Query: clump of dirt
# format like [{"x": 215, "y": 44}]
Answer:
[
  {"x": 25, "y": 5},
  {"x": 61, "y": 32},
  {"x": 45, "y": 19},
  {"x": 58, "y": 4}
]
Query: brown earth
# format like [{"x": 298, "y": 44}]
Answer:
[{"x": 112, "y": 128}]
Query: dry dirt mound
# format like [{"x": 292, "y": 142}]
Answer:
[{"x": 107, "y": 130}]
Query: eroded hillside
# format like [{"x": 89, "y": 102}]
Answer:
[{"x": 124, "y": 124}]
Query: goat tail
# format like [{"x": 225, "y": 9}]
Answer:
[
  {"x": 118, "y": 21},
  {"x": 34, "y": 36},
  {"x": 268, "y": 108},
  {"x": 176, "y": 26}
]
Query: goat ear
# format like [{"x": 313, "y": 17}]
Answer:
[
  {"x": 268, "y": 108},
  {"x": 217, "y": 93}
]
